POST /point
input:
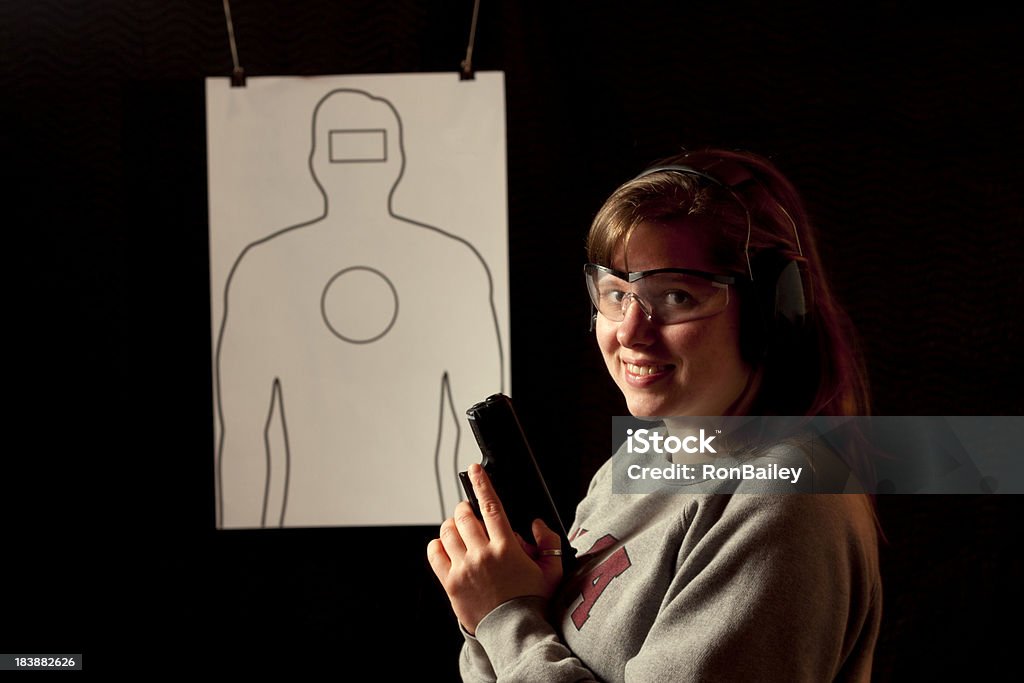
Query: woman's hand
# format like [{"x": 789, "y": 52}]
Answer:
[{"x": 483, "y": 565}]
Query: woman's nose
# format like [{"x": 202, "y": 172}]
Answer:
[{"x": 636, "y": 327}]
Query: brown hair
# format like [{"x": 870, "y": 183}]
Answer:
[{"x": 758, "y": 216}]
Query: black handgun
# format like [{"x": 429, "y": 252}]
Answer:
[{"x": 509, "y": 462}]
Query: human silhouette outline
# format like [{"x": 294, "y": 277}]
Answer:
[{"x": 354, "y": 335}]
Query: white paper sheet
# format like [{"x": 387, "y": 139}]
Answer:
[{"x": 358, "y": 258}]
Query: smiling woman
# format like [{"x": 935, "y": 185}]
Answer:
[
  {"x": 665, "y": 366},
  {"x": 734, "y": 213},
  {"x": 710, "y": 300}
]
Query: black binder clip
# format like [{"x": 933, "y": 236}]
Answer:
[{"x": 238, "y": 77}]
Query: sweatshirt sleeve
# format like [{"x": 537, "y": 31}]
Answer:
[
  {"x": 474, "y": 666},
  {"x": 521, "y": 645}
]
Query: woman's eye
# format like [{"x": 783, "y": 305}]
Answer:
[
  {"x": 613, "y": 295},
  {"x": 678, "y": 298}
]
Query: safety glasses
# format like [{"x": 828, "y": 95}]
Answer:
[{"x": 665, "y": 295}]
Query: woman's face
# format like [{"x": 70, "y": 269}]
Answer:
[{"x": 689, "y": 368}]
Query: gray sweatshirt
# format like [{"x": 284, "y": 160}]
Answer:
[{"x": 675, "y": 586}]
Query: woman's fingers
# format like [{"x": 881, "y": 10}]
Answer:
[
  {"x": 549, "y": 554},
  {"x": 481, "y": 568},
  {"x": 546, "y": 538},
  {"x": 498, "y": 528},
  {"x": 469, "y": 527},
  {"x": 438, "y": 559},
  {"x": 549, "y": 545},
  {"x": 452, "y": 541}
]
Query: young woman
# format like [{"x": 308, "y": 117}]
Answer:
[{"x": 710, "y": 300}]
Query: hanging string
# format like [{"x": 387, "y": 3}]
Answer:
[
  {"x": 238, "y": 75},
  {"x": 467, "y": 63}
]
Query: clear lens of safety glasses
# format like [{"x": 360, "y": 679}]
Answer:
[{"x": 667, "y": 295}]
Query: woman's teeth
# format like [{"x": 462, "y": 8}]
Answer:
[{"x": 644, "y": 369}]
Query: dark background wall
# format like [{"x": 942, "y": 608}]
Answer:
[{"x": 900, "y": 122}]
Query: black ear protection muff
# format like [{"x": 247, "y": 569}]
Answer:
[{"x": 776, "y": 322}]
